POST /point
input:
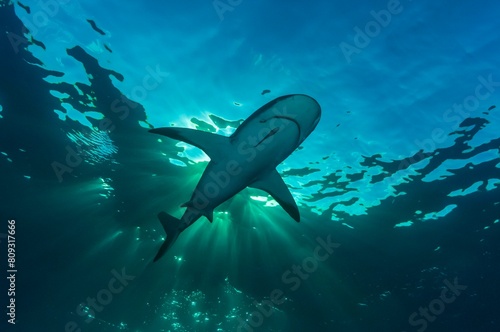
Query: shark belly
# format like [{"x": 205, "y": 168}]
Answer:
[
  {"x": 254, "y": 154},
  {"x": 219, "y": 182}
]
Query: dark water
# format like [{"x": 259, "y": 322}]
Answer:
[{"x": 413, "y": 238}]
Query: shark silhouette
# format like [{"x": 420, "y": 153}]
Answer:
[{"x": 248, "y": 158}]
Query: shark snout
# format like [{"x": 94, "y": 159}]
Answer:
[{"x": 306, "y": 113}]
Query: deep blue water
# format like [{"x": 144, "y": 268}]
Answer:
[{"x": 401, "y": 176}]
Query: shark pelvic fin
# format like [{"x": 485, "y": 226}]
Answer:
[
  {"x": 209, "y": 215},
  {"x": 273, "y": 184},
  {"x": 215, "y": 146}
]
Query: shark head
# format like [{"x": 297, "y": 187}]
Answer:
[
  {"x": 298, "y": 114},
  {"x": 303, "y": 110}
]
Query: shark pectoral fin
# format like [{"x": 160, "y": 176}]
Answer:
[
  {"x": 212, "y": 144},
  {"x": 170, "y": 225},
  {"x": 273, "y": 184}
]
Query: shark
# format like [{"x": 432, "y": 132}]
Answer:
[{"x": 247, "y": 158}]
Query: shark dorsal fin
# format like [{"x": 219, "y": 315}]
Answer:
[
  {"x": 212, "y": 144},
  {"x": 273, "y": 184}
]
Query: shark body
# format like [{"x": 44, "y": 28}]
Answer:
[{"x": 248, "y": 158}]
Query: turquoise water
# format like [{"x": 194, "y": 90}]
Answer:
[{"x": 400, "y": 176}]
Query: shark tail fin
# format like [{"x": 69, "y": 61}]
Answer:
[{"x": 171, "y": 226}]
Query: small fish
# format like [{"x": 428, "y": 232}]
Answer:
[
  {"x": 26, "y": 8},
  {"x": 95, "y": 27},
  {"x": 265, "y": 91}
]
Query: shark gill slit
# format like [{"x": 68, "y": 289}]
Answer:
[
  {"x": 271, "y": 133},
  {"x": 290, "y": 119}
]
